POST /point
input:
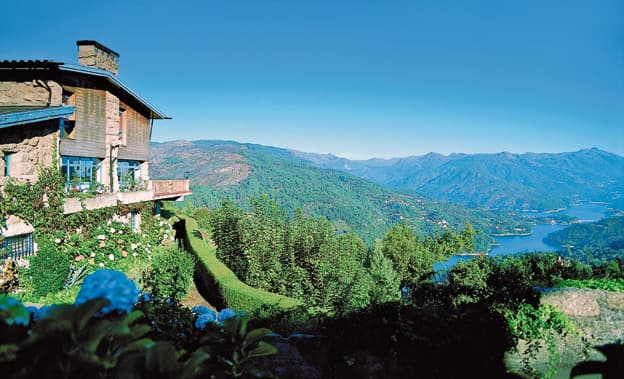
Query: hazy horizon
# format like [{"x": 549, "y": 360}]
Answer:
[{"x": 389, "y": 157}]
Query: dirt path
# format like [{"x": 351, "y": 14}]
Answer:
[{"x": 193, "y": 297}]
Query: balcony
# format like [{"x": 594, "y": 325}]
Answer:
[
  {"x": 170, "y": 189},
  {"x": 156, "y": 190}
]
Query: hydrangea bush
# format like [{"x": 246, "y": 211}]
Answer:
[
  {"x": 103, "y": 334},
  {"x": 111, "y": 285}
]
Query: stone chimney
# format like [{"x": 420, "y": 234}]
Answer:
[{"x": 94, "y": 54}]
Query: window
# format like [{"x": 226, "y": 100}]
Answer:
[
  {"x": 81, "y": 174},
  {"x": 129, "y": 175},
  {"x": 122, "y": 125},
  {"x": 18, "y": 246},
  {"x": 67, "y": 123},
  {"x": 134, "y": 221},
  {"x": 7, "y": 163}
]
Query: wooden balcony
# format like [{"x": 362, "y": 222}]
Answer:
[
  {"x": 174, "y": 189},
  {"x": 156, "y": 190}
]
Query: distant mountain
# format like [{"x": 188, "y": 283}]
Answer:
[
  {"x": 222, "y": 170},
  {"x": 503, "y": 180}
]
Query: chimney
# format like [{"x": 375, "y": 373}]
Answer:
[{"x": 94, "y": 54}]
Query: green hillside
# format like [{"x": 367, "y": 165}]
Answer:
[
  {"x": 223, "y": 170},
  {"x": 599, "y": 240},
  {"x": 503, "y": 180}
]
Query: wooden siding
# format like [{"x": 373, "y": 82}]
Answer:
[
  {"x": 89, "y": 136},
  {"x": 137, "y": 135}
]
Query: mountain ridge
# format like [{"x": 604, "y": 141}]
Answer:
[
  {"x": 228, "y": 170},
  {"x": 538, "y": 181}
]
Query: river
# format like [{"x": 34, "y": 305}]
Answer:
[{"x": 535, "y": 241}]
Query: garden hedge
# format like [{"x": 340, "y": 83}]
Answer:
[{"x": 219, "y": 285}]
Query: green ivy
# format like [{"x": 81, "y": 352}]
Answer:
[{"x": 535, "y": 325}]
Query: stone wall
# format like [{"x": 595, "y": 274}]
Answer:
[
  {"x": 94, "y": 56},
  {"x": 30, "y": 147},
  {"x": 598, "y": 318},
  {"x": 31, "y": 93}
]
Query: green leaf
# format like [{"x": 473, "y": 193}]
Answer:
[{"x": 264, "y": 349}]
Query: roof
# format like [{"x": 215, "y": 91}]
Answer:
[
  {"x": 91, "y": 71},
  {"x": 112, "y": 79},
  {"x": 12, "y": 116}
]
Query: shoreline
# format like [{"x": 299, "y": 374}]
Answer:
[{"x": 512, "y": 234}]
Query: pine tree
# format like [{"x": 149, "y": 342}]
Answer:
[{"x": 385, "y": 280}]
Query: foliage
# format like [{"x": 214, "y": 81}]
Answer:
[
  {"x": 102, "y": 338},
  {"x": 171, "y": 273},
  {"x": 424, "y": 339},
  {"x": 468, "y": 280},
  {"x": 413, "y": 256},
  {"x": 593, "y": 242},
  {"x": 220, "y": 285},
  {"x": 169, "y": 321},
  {"x": 615, "y": 285},
  {"x": 536, "y": 325},
  {"x": 302, "y": 258},
  {"x": 236, "y": 346},
  {"x": 48, "y": 269},
  {"x": 385, "y": 280}
]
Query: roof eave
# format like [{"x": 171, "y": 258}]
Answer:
[
  {"x": 28, "y": 117},
  {"x": 155, "y": 114}
]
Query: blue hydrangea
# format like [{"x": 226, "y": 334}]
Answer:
[
  {"x": 204, "y": 319},
  {"x": 201, "y": 309},
  {"x": 13, "y": 312},
  {"x": 145, "y": 297},
  {"x": 111, "y": 285},
  {"x": 43, "y": 312},
  {"x": 225, "y": 313}
]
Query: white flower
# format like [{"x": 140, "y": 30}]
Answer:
[
  {"x": 133, "y": 246},
  {"x": 58, "y": 240},
  {"x": 108, "y": 222},
  {"x": 134, "y": 254},
  {"x": 112, "y": 230},
  {"x": 101, "y": 237},
  {"x": 92, "y": 255},
  {"x": 161, "y": 223},
  {"x": 111, "y": 257},
  {"x": 101, "y": 264},
  {"x": 144, "y": 235},
  {"x": 120, "y": 232}
]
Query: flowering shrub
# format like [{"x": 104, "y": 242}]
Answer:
[
  {"x": 48, "y": 270},
  {"x": 97, "y": 337},
  {"x": 225, "y": 313},
  {"x": 171, "y": 273},
  {"x": 206, "y": 316},
  {"x": 111, "y": 285},
  {"x": 13, "y": 312},
  {"x": 205, "y": 319}
]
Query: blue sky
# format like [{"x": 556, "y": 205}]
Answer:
[{"x": 356, "y": 78}]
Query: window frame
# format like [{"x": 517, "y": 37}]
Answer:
[{"x": 89, "y": 173}]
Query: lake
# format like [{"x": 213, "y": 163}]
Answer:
[{"x": 535, "y": 241}]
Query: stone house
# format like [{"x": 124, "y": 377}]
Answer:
[{"x": 85, "y": 120}]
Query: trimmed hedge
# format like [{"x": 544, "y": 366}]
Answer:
[{"x": 219, "y": 285}]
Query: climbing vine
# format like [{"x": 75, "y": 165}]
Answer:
[{"x": 537, "y": 326}]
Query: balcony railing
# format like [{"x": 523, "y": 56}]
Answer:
[
  {"x": 148, "y": 191},
  {"x": 170, "y": 188}
]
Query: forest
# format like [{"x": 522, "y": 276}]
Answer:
[{"x": 593, "y": 242}]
